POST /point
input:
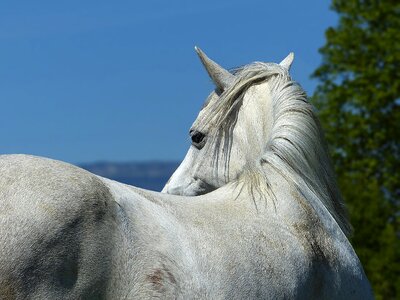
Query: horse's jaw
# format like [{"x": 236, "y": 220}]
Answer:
[
  {"x": 193, "y": 187},
  {"x": 183, "y": 182}
]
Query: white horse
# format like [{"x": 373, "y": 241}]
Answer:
[{"x": 268, "y": 222}]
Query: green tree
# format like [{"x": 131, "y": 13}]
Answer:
[{"x": 358, "y": 98}]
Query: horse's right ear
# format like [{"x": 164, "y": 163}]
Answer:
[{"x": 287, "y": 61}]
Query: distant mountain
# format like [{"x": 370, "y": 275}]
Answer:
[{"x": 148, "y": 175}]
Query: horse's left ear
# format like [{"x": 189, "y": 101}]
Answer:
[
  {"x": 287, "y": 61},
  {"x": 221, "y": 77}
]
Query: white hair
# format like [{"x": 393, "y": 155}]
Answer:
[{"x": 296, "y": 146}]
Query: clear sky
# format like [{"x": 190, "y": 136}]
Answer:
[{"x": 84, "y": 81}]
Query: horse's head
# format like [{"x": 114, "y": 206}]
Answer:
[{"x": 232, "y": 129}]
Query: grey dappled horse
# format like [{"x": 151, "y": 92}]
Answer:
[{"x": 268, "y": 221}]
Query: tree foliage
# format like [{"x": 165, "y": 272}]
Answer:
[{"x": 358, "y": 98}]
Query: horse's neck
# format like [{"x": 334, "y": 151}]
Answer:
[
  {"x": 277, "y": 196},
  {"x": 256, "y": 119}
]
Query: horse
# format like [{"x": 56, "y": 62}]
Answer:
[{"x": 252, "y": 212}]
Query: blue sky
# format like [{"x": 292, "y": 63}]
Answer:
[{"x": 84, "y": 81}]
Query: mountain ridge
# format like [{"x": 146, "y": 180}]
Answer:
[{"x": 151, "y": 175}]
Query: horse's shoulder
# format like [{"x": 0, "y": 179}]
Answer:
[{"x": 331, "y": 260}]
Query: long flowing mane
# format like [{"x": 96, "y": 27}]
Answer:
[{"x": 296, "y": 146}]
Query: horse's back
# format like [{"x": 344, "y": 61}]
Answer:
[{"x": 56, "y": 225}]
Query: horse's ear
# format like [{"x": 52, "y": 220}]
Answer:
[
  {"x": 287, "y": 61},
  {"x": 221, "y": 77}
]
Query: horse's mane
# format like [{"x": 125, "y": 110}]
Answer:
[{"x": 296, "y": 147}]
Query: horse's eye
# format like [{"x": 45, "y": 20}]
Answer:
[{"x": 197, "y": 139}]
